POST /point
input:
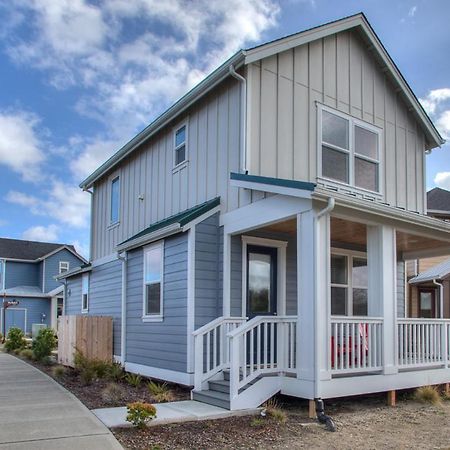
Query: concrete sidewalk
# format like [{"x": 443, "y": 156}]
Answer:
[
  {"x": 38, "y": 413},
  {"x": 172, "y": 412}
]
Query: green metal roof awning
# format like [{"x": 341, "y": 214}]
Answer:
[{"x": 171, "y": 225}]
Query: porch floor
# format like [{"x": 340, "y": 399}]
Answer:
[{"x": 171, "y": 412}]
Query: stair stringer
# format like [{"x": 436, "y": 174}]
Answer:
[{"x": 257, "y": 393}]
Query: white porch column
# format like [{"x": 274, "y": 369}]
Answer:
[
  {"x": 382, "y": 294},
  {"x": 313, "y": 303},
  {"x": 226, "y": 274}
]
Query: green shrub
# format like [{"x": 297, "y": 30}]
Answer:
[
  {"x": 27, "y": 353},
  {"x": 139, "y": 413},
  {"x": 59, "y": 371},
  {"x": 44, "y": 343},
  {"x": 257, "y": 422},
  {"x": 133, "y": 379},
  {"x": 160, "y": 392},
  {"x": 100, "y": 368},
  {"x": 115, "y": 372},
  {"x": 113, "y": 393},
  {"x": 274, "y": 411},
  {"x": 428, "y": 394},
  {"x": 15, "y": 340},
  {"x": 87, "y": 375}
]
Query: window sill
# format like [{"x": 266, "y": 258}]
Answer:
[
  {"x": 349, "y": 189},
  {"x": 84, "y": 311},
  {"x": 113, "y": 225},
  {"x": 180, "y": 166},
  {"x": 146, "y": 319}
]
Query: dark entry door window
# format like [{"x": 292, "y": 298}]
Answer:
[
  {"x": 261, "y": 281},
  {"x": 427, "y": 303}
]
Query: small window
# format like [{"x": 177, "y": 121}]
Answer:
[
  {"x": 63, "y": 266},
  {"x": 350, "y": 151},
  {"x": 115, "y": 200},
  {"x": 153, "y": 276},
  {"x": 349, "y": 283},
  {"x": 180, "y": 146},
  {"x": 85, "y": 293}
]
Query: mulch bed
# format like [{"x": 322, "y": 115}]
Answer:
[{"x": 91, "y": 395}]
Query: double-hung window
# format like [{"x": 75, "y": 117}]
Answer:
[
  {"x": 63, "y": 266},
  {"x": 85, "y": 293},
  {"x": 115, "y": 200},
  {"x": 180, "y": 145},
  {"x": 153, "y": 281},
  {"x": 349, "y": 150},
  {"x": 349, "y": 285}
]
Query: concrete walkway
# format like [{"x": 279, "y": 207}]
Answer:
[
  {"x": 38, "y": 413},
  {"x": 172, "y": 412}
]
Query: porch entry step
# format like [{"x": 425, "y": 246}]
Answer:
[
  {"x": 220, "y": 386},
  {"x": 215, "y": 398}
]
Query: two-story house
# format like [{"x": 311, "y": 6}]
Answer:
[
  {"x": 27, "y": 275},
  {"x": 250, "y": 240}
]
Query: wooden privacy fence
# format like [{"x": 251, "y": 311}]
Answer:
[{"x": 91, "y": 335}]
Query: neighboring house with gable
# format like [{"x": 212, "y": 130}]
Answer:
[
  {"x": 252, "y": 239},
  {"x": 27, "y": 275},
  {"x": 429, "y": 278}
]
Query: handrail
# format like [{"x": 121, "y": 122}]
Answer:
[
  {"x": 257, "y": 320},
  {"x": 211, "y": 325},
  {"x": 356, "y": 319},
  {"x": 422, "y": 320}
]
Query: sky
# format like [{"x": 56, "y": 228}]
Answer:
[{"x": 79, "y": 78}]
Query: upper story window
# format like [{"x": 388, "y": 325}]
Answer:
[
  {"x": 115, "y": 200},
  {"x": 85, "y": 293},
  {"x": 63, "y": 266},
  {"x": 349, "y": 150},
  {"x": 349, "y": 284},
  {"x": 180, "y": 145},
  {"x": 153, "y": 281}
]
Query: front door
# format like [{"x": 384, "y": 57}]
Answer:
[
  {"x": 427, "y": 303},
  {"x": 261, "y": 281}
]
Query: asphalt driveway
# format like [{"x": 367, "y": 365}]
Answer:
[{"x": 38, "y": 413}]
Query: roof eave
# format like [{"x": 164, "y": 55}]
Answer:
[{"x": 216, "y": 77}]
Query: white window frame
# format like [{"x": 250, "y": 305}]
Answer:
[
  {"x": 153, "y": 317},
  {"x": 182, "y": 164},
  {"x": 63, "y": 263},
  {"x": 85, "y": 284},
  {"x": 352, "y": 155},
  {"x": 350, "y": 254},
  {"x": 111, "y": 181}
]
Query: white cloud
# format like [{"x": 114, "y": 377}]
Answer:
[
  {"x": 435, "y": 98},
  {"x": 20, "y": 144},
  {"x": 443, "y": 124},
  {"x": 412, "y": 11},
  {"x": 42, "y": 233},
  {"x": 442, "y": 180},
  {"x": 81, "y": 248},
  {"x": 63, "y": 202}
]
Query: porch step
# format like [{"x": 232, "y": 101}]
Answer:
[
  {"x": 226, "y": 375},
  {"x": 220, "y": 386},
  {"x": 220, "y": 399}
]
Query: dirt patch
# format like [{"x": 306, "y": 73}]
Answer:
[
  {"x": 363, "y": 422},
  {"x": 91, "y": 395}
]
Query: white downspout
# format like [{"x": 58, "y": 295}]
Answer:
[
  {"x": 244, "y": 114},
  {"x": 123, "y": 319},
  {"x": 441, "y": 298},
  {"x": 322, "y": 212}
]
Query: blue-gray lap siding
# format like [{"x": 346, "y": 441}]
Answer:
[
  {"x": 21, "y": 274},
  {"x": 36, "y": 309},
  {"x": 159, "y": 344},
  {"x": 51, "y": 268},
  {"x": 105, "y": 296}
]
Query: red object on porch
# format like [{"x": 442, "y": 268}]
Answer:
[{"x": 341, "y": 352}]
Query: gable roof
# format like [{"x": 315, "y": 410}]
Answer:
[
  {"x": 171, "y": 225},
  {"x": 437, "y": 272},
  {"x": 31, "y": 250},
  {"x": 438, "y": 199},
  {"x": 357, "y": 21}
]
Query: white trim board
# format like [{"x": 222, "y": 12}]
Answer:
[
  {"x": 190, "y": 298},
  {"x": 172, "y": 376}
]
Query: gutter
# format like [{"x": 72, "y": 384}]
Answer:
[
  {"x": 441, "y": 297},
  {"x": 243, "y": 82}
]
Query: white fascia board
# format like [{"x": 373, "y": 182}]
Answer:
[
  {"x": 71, "y": 273},
  {"x": 56, "y": 291},
  {"x": 358, "y": 20},
  {"x": 301, "y": 193},
  {"x": 148, "y": 238},
  {"x": 63, "y": 247}
]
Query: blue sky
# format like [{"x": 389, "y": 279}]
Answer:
[{"x": 79, "y": 78}]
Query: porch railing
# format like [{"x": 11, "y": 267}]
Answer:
[
  {"x": 264, "y": 345},
  {"x": 423, "y": 342},
  {"x": 212, "y": 348},
  {"x": 356, "y": 344}
]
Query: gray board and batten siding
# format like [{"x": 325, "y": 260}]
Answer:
[{"x": 340, "y": 72}]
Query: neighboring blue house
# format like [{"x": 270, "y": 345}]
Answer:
[
  {"x": 27, "y": 275},
  {"x": 252, "y": 239}
]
